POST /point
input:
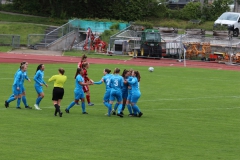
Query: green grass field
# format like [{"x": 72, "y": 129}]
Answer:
[
  {"x": 31, "y": 19},
  {"x": 188, "y": 114}
]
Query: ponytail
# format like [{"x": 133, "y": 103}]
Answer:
[
  {"x": 138, "y": 75},
  {"x": 77, "y": 72},
  {"x": 107, "y": 70},
  {"x": 39, "y": 67}
]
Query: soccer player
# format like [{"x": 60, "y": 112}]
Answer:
[
  {"x": 135, "y": 92},
  {"x": 23, "y": 88},
  {"x": 86, "y": 89},
  {"x": 116, "y": 84},
  {"x": 17, "y": 87},
  {"x": 106, "y": 79},
  {"x": 124, "y": 93},
  {"x": 78, "y": 91},
  {"x": 128, "y": 102},
  {"x": 83, "y": 60},
  {"x": 58, "y": 90},
  {"x": 39, "y": 82}
]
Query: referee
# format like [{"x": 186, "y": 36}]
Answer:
[{"x": 58, "y": 90}]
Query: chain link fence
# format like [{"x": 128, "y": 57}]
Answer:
[{"x": 10, "y": 40}]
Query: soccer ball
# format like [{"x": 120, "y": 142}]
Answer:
[{"x": 150, "y": 69}]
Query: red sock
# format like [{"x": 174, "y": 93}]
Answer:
[{"x": 88, "y": 98}]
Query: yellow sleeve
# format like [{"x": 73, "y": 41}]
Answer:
[{"x": 52, "y": 78}]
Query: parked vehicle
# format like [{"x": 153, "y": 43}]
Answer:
[
  {"x": 150, "y": 44},
  {"x": 176, "y": 4},
  {"x": 230, "y": 20}
]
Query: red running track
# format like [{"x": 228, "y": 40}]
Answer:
[{"x": 31, "y": 58}]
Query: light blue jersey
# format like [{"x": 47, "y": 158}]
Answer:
[
  {"x": 24, "y": 77},
  {"x": 18, "y": 79},
  {"x": 78, "y": 86},
  {"x": 24, "y": 73},
  {"x": 38, "y": 78},
  {"x": 135, "y": 94},
  {"x": 78, "y": 94},
  {"x": 18, "y": 82},
  {"x": 116, "y": 84},
  {"x": 107, "y": 78}
]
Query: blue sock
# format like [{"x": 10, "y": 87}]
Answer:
[
  {"x": 18, "y": 102},
  {"x": 38, "y": 100},
  {"x": 71, "y": 105},
  {"x": 109, "y": 109},
  {"x": 115, "y": 106},
  {"x": 129, "y": 108},
  {"x": 11, "y": 96},
  {"x": 24, "y": 101},
  {"x": 83, "y": 107},
  {"x": 136, "y": 109},
  {"x": 10, "y": 99},
  {"x": 106, "y": 104},
  {"x": 119, "y": 108}
]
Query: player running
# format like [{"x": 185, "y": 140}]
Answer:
[
  {"x": 23, "y": 88},
  {"x": 78, "y": 91},
  {"x": 17, "y": 87}
]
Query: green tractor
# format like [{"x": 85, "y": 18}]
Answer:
[{"x": 150, "y": 46}]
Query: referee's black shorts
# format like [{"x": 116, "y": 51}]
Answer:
[{"x": 57, "y": 93}]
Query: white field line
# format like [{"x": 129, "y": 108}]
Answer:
[{"x": 103, "y": 108}]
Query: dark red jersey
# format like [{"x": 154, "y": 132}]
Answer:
[{"x": 85, "y": 75}]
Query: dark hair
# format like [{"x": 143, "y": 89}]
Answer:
[
  {"x": 137, "y": 75},
  {"x": 107, "y": 70},
  {"x": 61, "y": 70},
  {"x": 39, "y": 67},
  {"x": 77, "y": 72},
  {"x": 85, "y": 64},
  {"x": 22, "y": 63},
  {"x": 83, "y": 57},
  {"x": 116, "y": 70},
  {"x": 125, "y": 71}
]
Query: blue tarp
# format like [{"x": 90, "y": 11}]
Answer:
[{"x": 96, "y": 26}]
